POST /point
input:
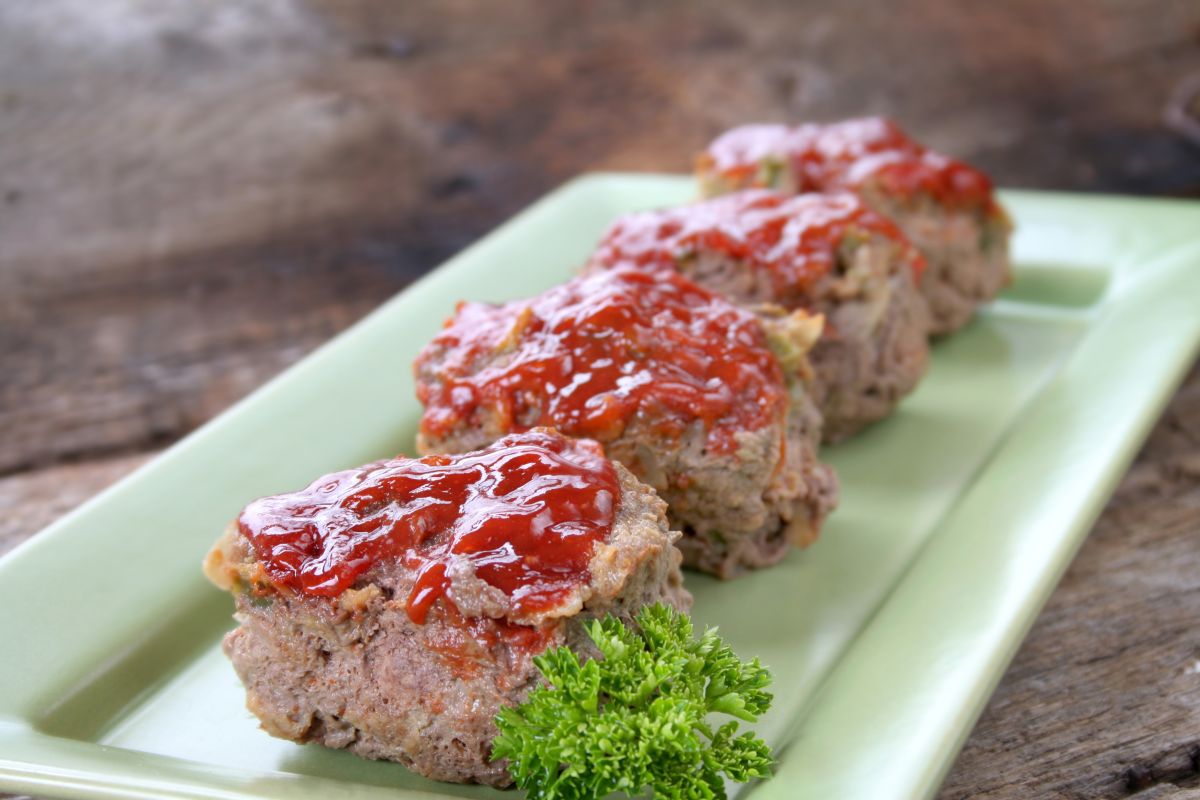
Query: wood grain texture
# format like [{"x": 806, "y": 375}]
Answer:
[
  {"x": 32, "y": 500},
  {"x": 1170, "y": 792},
  {"x": 194, "y": 195}
]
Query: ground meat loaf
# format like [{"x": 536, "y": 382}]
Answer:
[
  {"x": 678, "y": 384},
  {"x": 946, "y": 208},
  {"x": 826, "y": 253},
  {"x": 393, "y": 609}
]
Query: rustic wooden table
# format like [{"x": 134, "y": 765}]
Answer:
[{"x": 194, "y": 195}]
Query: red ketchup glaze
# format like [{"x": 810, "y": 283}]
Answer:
[
  {"x": 794, "y": 239},
  {"x": 601, "y": 351},
  {"x": 526, "y": 513},
  {"x": 846, "y": 155}
]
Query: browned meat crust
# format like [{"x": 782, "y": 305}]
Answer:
[
  {"x": 966, "y": 245},
  {"x": 874, "y": 349},
  {"x": 737, "y": 510},
  {"x": 966, "y": 254},
  {"x": 354, "y": 672}
]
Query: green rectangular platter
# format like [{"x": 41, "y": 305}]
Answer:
[{"x": 886, "y": 638}]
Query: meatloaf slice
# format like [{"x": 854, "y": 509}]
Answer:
[
  {"x": 392, "y": 610},
  {"x": 825, "y": 253},
  {"x": 947, "y": 208},
  {"x": 678, "y": 384}
]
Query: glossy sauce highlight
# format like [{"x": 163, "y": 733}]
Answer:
[
  {"x": 601, "y": 353},
  {"x": 524, "y": 514}
]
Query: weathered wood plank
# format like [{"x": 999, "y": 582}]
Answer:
[
  {"x": 1168, "y": 792},
  {"x": 32, "y": 500},
  {"x": 193, "y": 195}
]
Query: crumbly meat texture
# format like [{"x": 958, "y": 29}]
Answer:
[
  {"x": 874, "y": 349},
  {"x": 737, "y": 511},
  {"x": 966, "y": 249},
  {"x": 745, "y": 512},
  {"x": 966, "y": 254},
  {"x": 355, "y": 673}
]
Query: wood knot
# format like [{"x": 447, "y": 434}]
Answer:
[{"x": 1138, "y": 778}]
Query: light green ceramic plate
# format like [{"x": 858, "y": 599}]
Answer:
[{"x": 958, "y": 516}]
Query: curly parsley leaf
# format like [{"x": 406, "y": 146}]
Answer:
[{"x": 637, "y": 718}]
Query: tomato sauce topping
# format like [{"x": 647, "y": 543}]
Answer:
[
  {"x": 846, "y": 155},
  {"x": 793, "y": 239},
  {"x": 600, "y": 352},
  {"x": 525, "y": 513}
]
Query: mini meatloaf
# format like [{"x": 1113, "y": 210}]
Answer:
[
  {"x": 678, "y": 384},
  {"x": 393, "y": 609},
  {"x": 946, "y": 208},
  {"x": 825, "y": 253}
]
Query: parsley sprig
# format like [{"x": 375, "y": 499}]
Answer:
[{"x": 637, "y": 718}]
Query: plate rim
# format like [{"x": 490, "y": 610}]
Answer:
[{"x": 34, "y": 776}]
